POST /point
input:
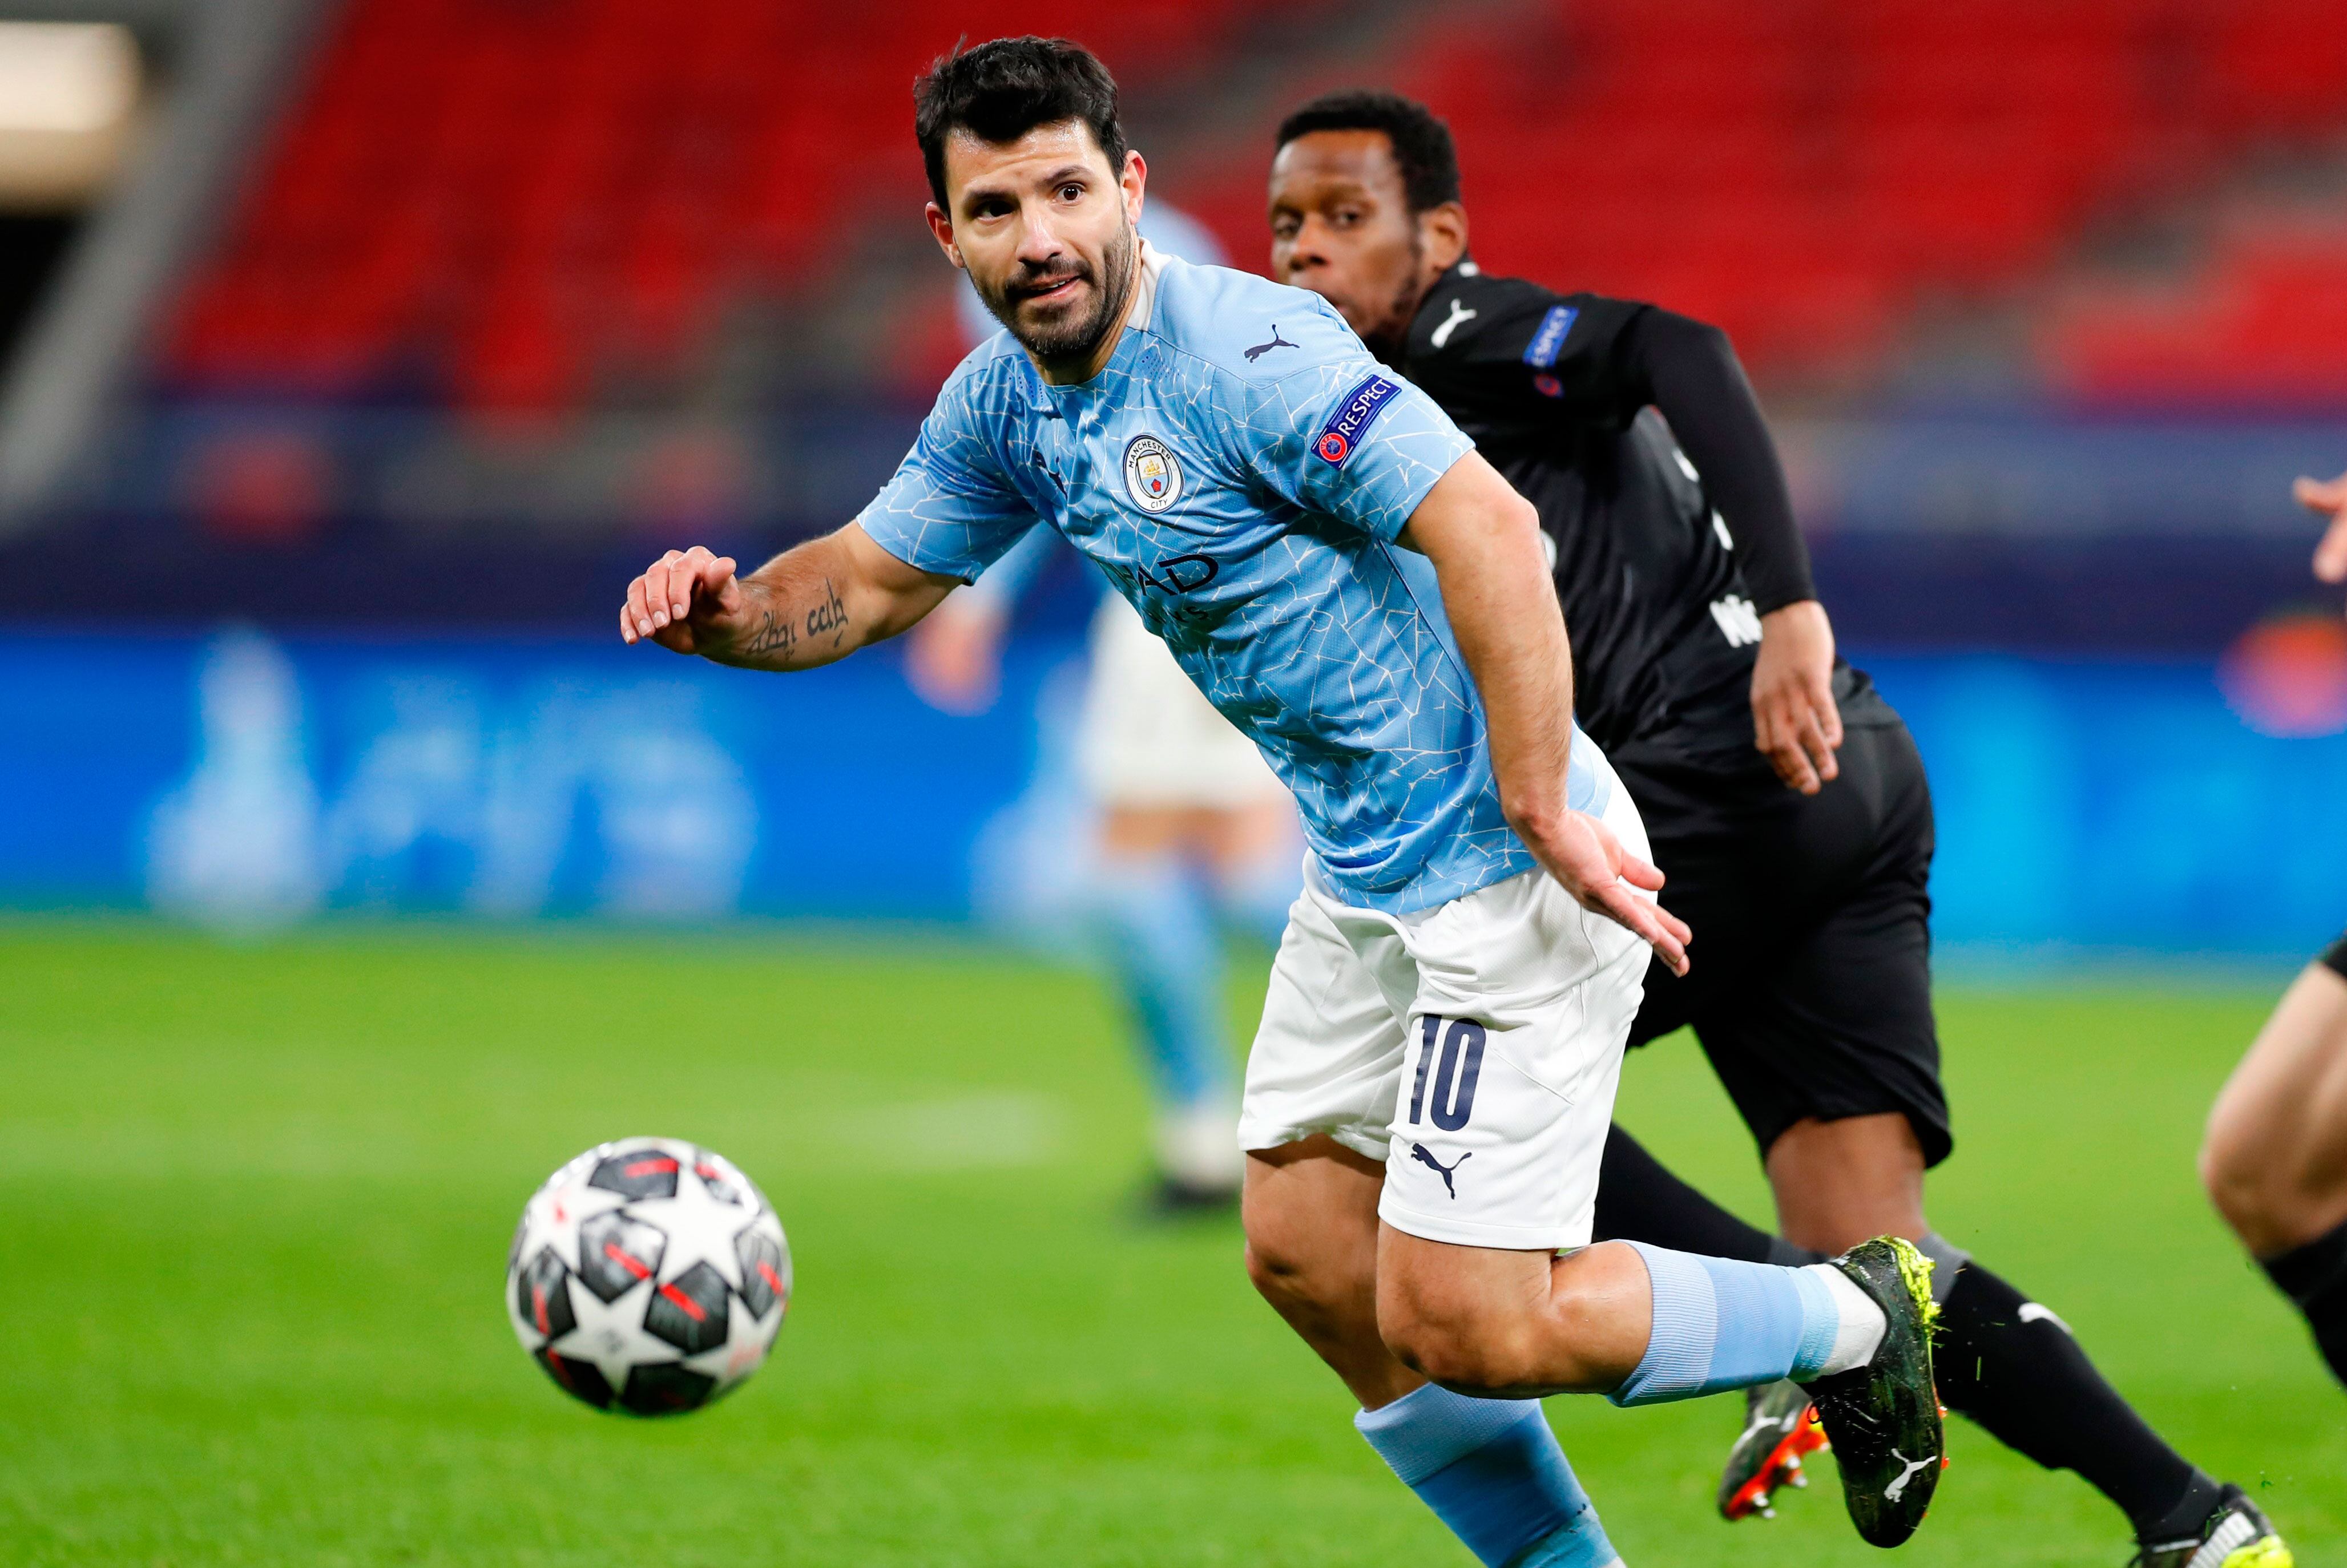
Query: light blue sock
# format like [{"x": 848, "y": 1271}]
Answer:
[
  {"x": 1493, "y": 1471},
  {"x": 1724, "y": 1324},
  {"x": 1159, "y": 938}
]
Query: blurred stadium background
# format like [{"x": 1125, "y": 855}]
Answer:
[
  {"x": 352, "y": 355},
  {"x": 394, "y": 332}
]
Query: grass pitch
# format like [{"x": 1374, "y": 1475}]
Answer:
[{"x": 259, "y": 1199}]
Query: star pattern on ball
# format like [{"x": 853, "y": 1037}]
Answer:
[
  {"x": 630, "y": 1280},
  {"x": 608, "y": 1336}
]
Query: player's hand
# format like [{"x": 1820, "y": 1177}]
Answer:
[
  {"x": 688, "y": 601},
  {"x": 954, "y": 658},
  {"x": 2330, "y": 500},
  {"x": 1589, "y": 861},
  {"x": 1794, "y": 719}
]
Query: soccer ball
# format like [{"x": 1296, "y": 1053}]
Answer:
[{"x": 648, "y": 1276}]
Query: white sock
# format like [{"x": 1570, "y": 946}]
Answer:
[
  {"x": 1860, "y": 1333},
  {"x": 1198, "y": 1145}
]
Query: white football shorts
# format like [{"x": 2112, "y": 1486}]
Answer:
[
  {"x": 1474, "y": 1047},
  {"x": 1148, "y": 737}
]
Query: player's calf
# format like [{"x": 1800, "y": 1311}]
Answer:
[{"x": 1512, "y": 1324}]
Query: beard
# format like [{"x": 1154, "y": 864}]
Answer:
[
  {"x": 1391, "y": 336},
  {"x": 1075, "y": 336}
]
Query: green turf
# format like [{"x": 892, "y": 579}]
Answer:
[{"x": 260, "y": 1198}]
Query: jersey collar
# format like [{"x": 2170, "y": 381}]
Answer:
[
  {"x": 1431, "y": 309},
  {"x": 1139, "y": 321}
]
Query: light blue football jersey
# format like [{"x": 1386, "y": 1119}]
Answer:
[{"x": 1239, "y": 470}]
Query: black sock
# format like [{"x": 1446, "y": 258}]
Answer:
[
  {"x": 2021, "y": 1378},
  {"x": 1638, "y": 1200},
  {"x": 2024, "y": 1380},
  {"x": 2314, "y": 1276}
]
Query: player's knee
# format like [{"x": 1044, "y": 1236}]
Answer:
[
  {"x": 1274, "y": 1274},
  {"x": 1463, "y": 1361},
  {"x": 2248, "y": 1178},
  {"x": 1292, "y": 1278}
]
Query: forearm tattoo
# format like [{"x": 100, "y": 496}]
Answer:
[
  {"x": 775, "y": 638},
  {"x": 831, "y": 616}
]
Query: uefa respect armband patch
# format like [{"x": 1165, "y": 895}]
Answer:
[
  {"x": 1542, "y": 351},
  {"x": 1343, "y": 432}
]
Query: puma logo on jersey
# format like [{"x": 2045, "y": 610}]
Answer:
[
  {"x": 1897, "y": 1489},
  {"x": 1459, "y": 312},
  {"x": 1277, "y": 341},
  {"x": 1051, "y": 474},
  {"x": 1418, "y": 1152},
  {"x": 1738, "y": 620}
]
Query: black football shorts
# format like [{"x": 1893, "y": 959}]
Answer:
[{"x": 1812, "y": 981}]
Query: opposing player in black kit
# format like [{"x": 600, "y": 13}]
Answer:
[{"x": 1800, "y": 862}]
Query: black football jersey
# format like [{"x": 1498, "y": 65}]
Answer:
[{"x": 1663, "y": 634}]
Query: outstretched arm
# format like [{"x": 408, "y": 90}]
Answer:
[
  {"x": 1688, "y": 369},
  {"x": 809, "y": 606},
  {"x": 1484, "y": 542}
]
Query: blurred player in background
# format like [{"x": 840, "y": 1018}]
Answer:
[
  {"x": 1785, "y": 799},
  {"x": 1332, "y": 563},
  {"x": 1196, "y": 834},
  {"x": 2275, "y": 1161}
]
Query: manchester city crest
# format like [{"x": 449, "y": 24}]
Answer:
[{"x": 1152, "y": 477}]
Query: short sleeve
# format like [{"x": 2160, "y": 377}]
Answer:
[
  {"x": 1570, "y": 356},
  {"x": 948, "y": 509},
  {"x": 1353, "y": 441},
  {"x": 1011, "y": 575}
]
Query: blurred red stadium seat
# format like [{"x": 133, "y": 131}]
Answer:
[
  {"x": 494, "y": 202},
  {"x": 506, "y": 203},
  {"x": 2264, "y": 322},
  {"x": 1806, "y": 173}
]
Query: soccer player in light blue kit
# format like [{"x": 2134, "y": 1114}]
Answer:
[{"x": 1358, "y": 591}]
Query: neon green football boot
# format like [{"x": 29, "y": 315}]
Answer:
[
  {"x": 2236, "y": 1534},
  {"x": 1883, "y": 1419}
]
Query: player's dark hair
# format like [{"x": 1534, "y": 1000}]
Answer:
[
  {"x": 1004, "y": 88},
  {"x": 1422, "y": 148}
]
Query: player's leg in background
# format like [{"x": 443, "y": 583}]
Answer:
[
  {"x": 1163, "y": 947},
  {"x": 1835, "y": 1067},
  {"x": 1192, "y": 816},
  {"x": 2275, "y": 1161},
  {"x": 1638, "y": 1199},
  {"x": 2006, "y": 1362},
  {"x": 1256, "y": 852}
]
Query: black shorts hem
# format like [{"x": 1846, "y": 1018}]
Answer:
[
  {"x": 2334, "y": 958},
  {"x": 1930, "y": 1122}
]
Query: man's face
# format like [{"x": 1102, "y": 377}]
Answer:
[
  {"x": 1045, "y": 230},
  {"x": 1341, "y": 226}
]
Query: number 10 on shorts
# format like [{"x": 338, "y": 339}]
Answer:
[{"x": 1449, "y": 1060}]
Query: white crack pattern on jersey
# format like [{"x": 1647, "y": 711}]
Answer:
[{"x": 1274, "y": 578}]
